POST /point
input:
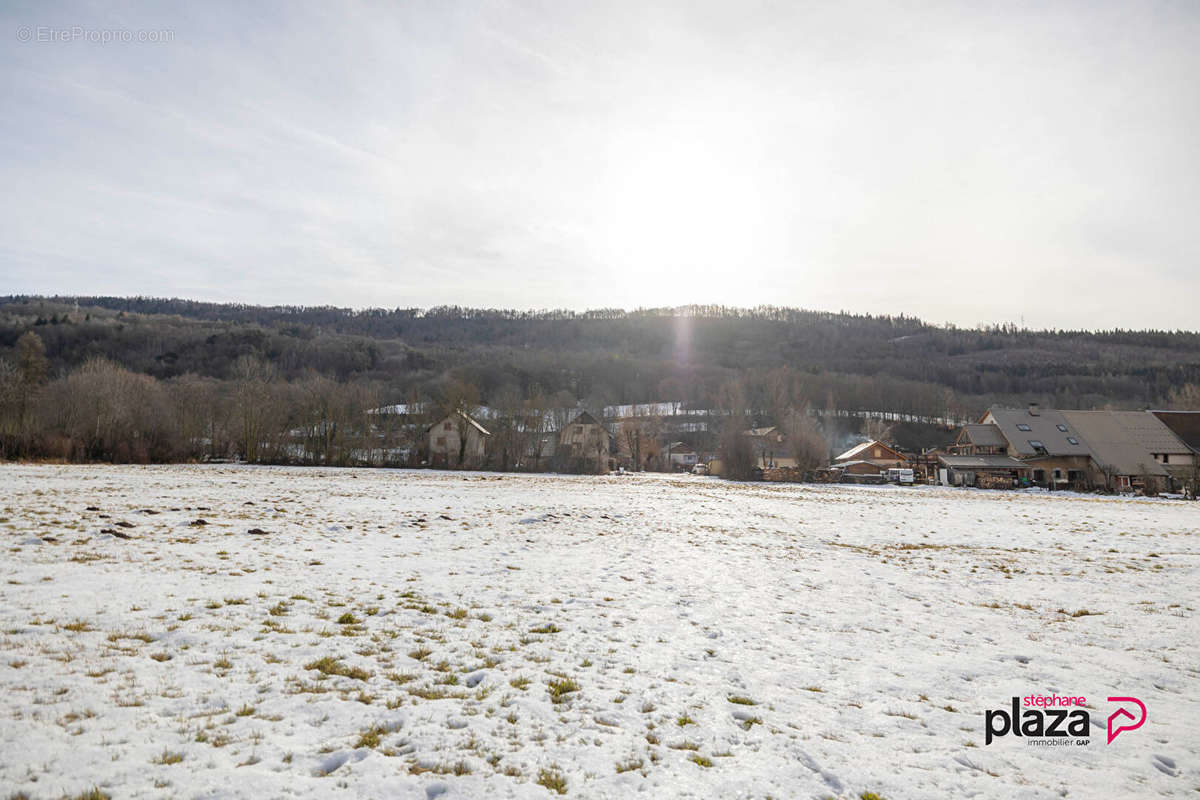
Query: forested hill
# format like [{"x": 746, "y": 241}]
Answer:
[{"x": 686, "y": 353}]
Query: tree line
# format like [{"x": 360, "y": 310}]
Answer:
[{"x": 160, "y": 380}]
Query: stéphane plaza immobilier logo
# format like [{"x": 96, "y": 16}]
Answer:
[{"x": 1051, "y": 720}]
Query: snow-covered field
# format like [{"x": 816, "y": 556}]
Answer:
[{"x": 426, "y": 634}]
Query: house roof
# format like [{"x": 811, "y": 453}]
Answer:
[
  {"x": 467, "y": 417},
  {"x": 1043, "y": 427},
  {"x": 984, "y": 435},
  {"x": 982, "y": 462},
  {"x": 862, "y": 448},
  {"x": 760, "y": 431},
  {"x": 1184, "y": 424},
  {"x": 584, "y": 418},
  {"x": 1121, "y": 440}
]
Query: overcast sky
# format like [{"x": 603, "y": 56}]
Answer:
[{"x": 963, "y": 162}]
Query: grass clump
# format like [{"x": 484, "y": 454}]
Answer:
[
  {"x": 347, "y": 619},
  {"x": 742, "y": 701},
  {"x": 703, "y": 761},
  {"x": 559, "y": 688},
  {"x": 1082, "y": 612},
  {"x": 549, "y": 627},
  {"x": 328, "y": 665},
  {"x": 93, "y": 793},
  {"x": 371, "y": 737},
  {"x": 552, "y": 778},
  {"x": 167, "y": 757}
]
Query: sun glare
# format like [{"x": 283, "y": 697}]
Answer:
[{"x": 681, "y": 212}]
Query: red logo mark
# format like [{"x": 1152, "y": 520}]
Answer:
[{"x": 1138, "y": 722}]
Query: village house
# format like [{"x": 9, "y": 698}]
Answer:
[
  {"x": 770, "y": 448},
  {"x": 979, "y": 440},
  {"x": 979, "y": 458},
  {"x": 1127, "y": 449},
  {"x": 874, "y": 454},
  {"x": 1182, "y": 466},
  {"x": 681, "y": 456},
  {"x": 457, "y": 440},
  {"x": 584, "y": 446},
  {"x": 1044, "y": 441}
]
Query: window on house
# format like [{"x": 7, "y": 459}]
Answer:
[
  {"x": 1072, "y": 440},
  {"x": 879, "y": 452},
  {"x": 441, "y": 441},
  {"x": 446, "y": 426},
  {"x": 1057, "y": 474},
  {"x": 1061, "y": 427},
  {"x": 1023, "y": 427},
  {"x": 1166, "y": 458},
  {"x": 1037, "y": 444}
]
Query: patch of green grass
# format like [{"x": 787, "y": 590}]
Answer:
[
  {"x": 371, "y": 737},
  {"x": 420, "y": 654},
  {"x": 552, "y": 778},
  {"x": 549, "y": 627},
  {"x": 458, "y": 613},
  {"x": 328, "y": 665},
  {"x": 78, "y": 626},
  {"x": 347, "y": 619},
  {"x": 703, "y": 761},
  {"x": 869, "y": 796},
  {"x": 742, "y": 701},
  {"x": 561, "y": 687},
  {"x": 630, "y": 765},
  {"x": 684, "y": 745},
  {"x": 401, "y": 677},
  {"x": 92, "y": 794},
  {"x": 520, "y": 682},
  {"x": 167, "y": 757},
  {"x": 245, "y": 711},
  {"x": 435, "y": 693},
  {"x": 684, "y": 719}
]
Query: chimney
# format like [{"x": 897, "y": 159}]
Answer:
[{"x": 1033, "y": 410}]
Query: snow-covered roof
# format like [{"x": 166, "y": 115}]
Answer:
[{"x": 862, "y": 448}]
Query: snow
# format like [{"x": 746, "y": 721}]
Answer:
[{"x": 807, "y": 641}]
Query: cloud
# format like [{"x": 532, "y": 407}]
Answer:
[{"x": 962, "y": 163}]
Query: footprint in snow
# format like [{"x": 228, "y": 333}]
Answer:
[
  {"x": 436, "y": 789},
  {"x": 1165, "y": 765},
  {"x": 336, "y": 760}
]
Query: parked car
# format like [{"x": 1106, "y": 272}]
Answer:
[{"x": 700, "y": 469}]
